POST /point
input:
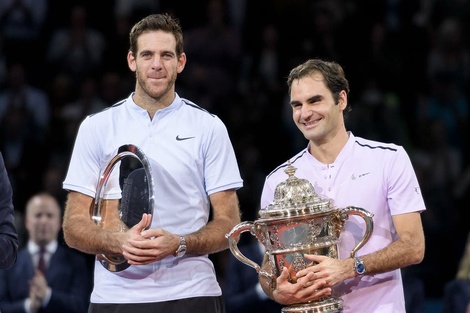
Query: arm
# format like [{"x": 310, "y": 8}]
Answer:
[
  {"x": 407, "y": 250},
  {"x": 81, "y": 233},
  {"x": 8, "y": 233},
  {"x": 209, "y": 239}
]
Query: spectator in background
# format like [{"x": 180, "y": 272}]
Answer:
[
  {"x": 21, "y": 25},
  {"x": 215, "y": 50},
  {"x": 457, "y": 291},
  {"x": 32, "y": 102},
  {"x": 8, "y": 234},
  {"x": 63, "y": 284},
  {"x": 24, "y": 125},
  {"x": 88, "y": 102},
  {"x": 76, "y": 50}
]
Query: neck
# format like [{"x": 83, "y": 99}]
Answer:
[{"x": 327, "y": 150}]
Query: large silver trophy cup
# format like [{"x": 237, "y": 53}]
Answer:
[
  {"x": 123, "y": 194},
  {"x": 298, "y": 222}
]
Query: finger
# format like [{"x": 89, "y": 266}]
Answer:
[
  {"x": 144, "y": 222},
  {"x": 315, "y": 257},
  {"x": 138, "y": 258},
  {"x": 306, "y": 280},
  {"x": 284, "y": 276}
]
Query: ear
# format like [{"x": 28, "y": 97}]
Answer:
[
  {"x": 131, "y": 61},
  {"x": 181, "y": 63},
  {"x": 343, "y": 100}
]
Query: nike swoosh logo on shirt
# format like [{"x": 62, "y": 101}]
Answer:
[{"x": 183, "y": 138}]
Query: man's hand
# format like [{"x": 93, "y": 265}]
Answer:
[
  {"x": 307, "y": 288},
  {"x": 147, "y": 246},
  {"x": 37, "y": 290},
  {"x": 331, "y": 271}
]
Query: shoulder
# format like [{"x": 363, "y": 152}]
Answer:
[
  {"x": 115, "y": 108},
  {"x": 196, "y": 109},
  {"x": 190, "y": 113},
  {"x": 372, "y": 145},
  {"x": 297, "y": 161}
]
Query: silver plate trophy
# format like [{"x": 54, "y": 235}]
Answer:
[
  {"x": 298, "y": 222},
  {"x": 130, "y": 170}
]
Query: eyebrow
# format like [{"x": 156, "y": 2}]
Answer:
[{"x": 309, "y": 100}]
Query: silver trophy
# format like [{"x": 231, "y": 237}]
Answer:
[
  {"x": 298, "y": 222},
  {"x": 130, "y": 174}
]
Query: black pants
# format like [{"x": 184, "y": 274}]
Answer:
[{"x": 190, "y": 305}]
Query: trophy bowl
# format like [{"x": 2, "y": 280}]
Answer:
[
  {"x": 124, "y": 193},
  {"x": 298, "y": 222}
]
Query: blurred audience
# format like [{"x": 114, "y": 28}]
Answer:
[
  {"x": 76, "y": 49},
  {"x": 48, "y": 276},
  {"x": 410, "y": 66},
  {"x": 24, "y": 127},
  {"x": 457, "y": 291}
]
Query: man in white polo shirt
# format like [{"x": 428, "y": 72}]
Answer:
[
  {"x": 352, "y": 171},
  {"x": 194, "y": 168}
]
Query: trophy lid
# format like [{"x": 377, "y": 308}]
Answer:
[{"x": 295, "y": 197}]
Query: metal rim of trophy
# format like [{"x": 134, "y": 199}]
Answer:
[{"x": 119, "y": 263}]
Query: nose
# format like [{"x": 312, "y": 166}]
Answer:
[
  {"x": 305, "y": 112},
  {"x": 157, "y": 62}
]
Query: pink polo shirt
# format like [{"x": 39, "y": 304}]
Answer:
[{"x": 379, "y": 178}]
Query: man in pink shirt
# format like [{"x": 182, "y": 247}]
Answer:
[{"x": 352, "y": 171}]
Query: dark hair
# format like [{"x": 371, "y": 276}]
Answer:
[
  {"x": 333, "y": 74},
  {"x": 154, "y": 22}
]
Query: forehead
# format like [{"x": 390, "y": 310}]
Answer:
[
  {"x": 43, "y": 205},
  {"x": 156, "y": 40},
  {"x": 307, "y": 85}
]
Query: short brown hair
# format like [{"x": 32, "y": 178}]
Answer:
[
  {"x": 154, "y": 22},
  {"x": 333, "y": 74}
]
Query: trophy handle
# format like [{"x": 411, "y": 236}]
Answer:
[
  {"x": 367, "y": 216},
  {"x": 233, "y": 237}
]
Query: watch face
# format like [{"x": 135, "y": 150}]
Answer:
[
  {"x": 360, "y": 267},
  {"x": 181, "y": 251}
]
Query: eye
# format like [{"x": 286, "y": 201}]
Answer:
[{"x": 168, "y": 56}]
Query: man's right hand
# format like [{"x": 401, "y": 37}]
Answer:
[{"x": 305, "y": 289}]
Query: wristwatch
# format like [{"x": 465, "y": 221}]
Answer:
[
  {"x": 181, "y": 249},
  {"x": 359, "y": 266}
]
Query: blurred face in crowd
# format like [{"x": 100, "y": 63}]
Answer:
[
  {"x": 315, "y": 112},
  {"x": 43, "y": 219},
  {"x": 156, "y": 65}
]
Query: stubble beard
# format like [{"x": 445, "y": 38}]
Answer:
[{"x": 153, "y": 91}]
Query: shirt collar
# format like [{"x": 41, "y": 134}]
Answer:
[
  {"x": 177, "y": 103},
  {"x": 34, "y": 248}
]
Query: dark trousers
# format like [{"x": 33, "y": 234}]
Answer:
[{"x": 190, "y": 305}]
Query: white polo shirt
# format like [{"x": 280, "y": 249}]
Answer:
[
  {"x": 379, "y": 178},
  {"x": 191, "y": 157}
]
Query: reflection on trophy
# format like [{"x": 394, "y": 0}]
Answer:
[
  {"x": 298, "y": 222},
  {"x": 122, "y": 196}
]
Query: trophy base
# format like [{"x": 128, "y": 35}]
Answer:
[
  {"x": 113, "y": 264},
  {"x": 324, "y": 305}
]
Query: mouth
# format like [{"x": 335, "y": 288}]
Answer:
[{"x": 311, "y": 123}]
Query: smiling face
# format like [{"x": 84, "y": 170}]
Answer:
[
  {"x": 315, "y": 112},
  {"x": 156, "y": 65}
]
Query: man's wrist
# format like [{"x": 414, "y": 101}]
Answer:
[{"x": 359, "y": 266}]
